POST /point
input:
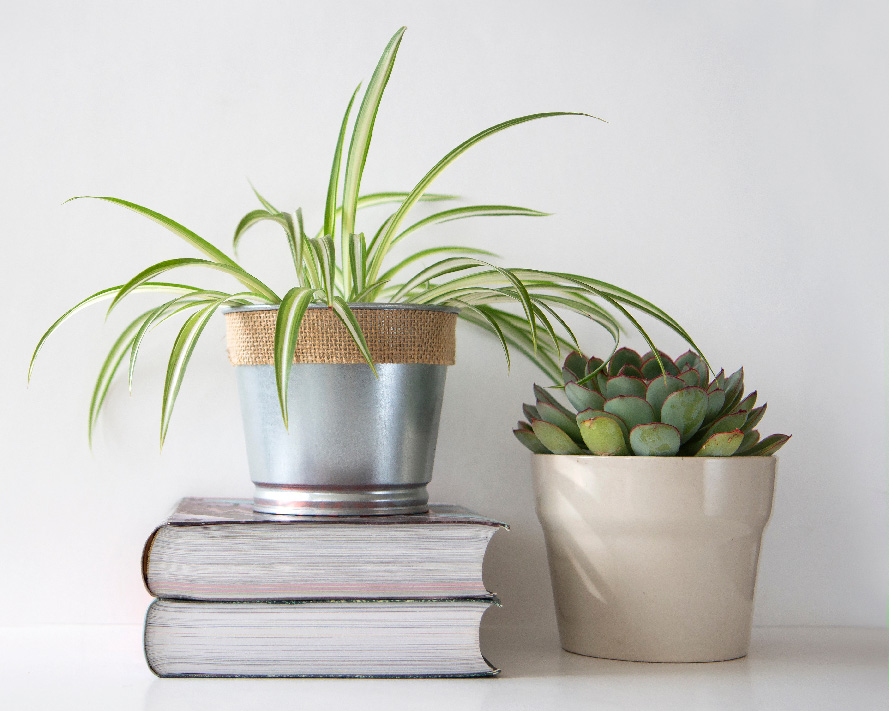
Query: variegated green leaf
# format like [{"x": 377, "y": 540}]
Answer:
[{"x": 290, "y": 315}]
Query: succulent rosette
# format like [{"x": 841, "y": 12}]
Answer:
[{"x": 647, "y": 405}]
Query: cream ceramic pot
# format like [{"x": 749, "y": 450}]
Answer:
[{"x": 654, "y": 558}]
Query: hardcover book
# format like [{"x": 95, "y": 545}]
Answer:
[
  {"x": 352, "y": 638},
  {"x": 220, "y": 549}
]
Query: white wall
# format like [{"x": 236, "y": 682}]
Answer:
[{"x": 739, "y": 183}]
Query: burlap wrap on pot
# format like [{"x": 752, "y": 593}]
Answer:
[{"x": 396, "y": 335}]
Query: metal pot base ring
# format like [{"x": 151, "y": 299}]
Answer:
[{"x": 340, "y": 501}]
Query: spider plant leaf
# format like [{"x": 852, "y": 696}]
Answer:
[
  {"x": 357, "y": 256},
  {"x": 103, "y": 295},
  {"x": 603, "y": 436},
  {"x": 654, "y": 439},
  {"x": 363, "y": 131},
  {"x": 183, "y": 347},
  {"x": 248, "y": 280},
  {"x": 330, "y": 210},
  {"x": 265, "y": 203},
  {"x": 109, "y": 369},
  {"x": 346, "y": 315},
  {"x": 529, "y": 439},
  {"x": 247, "y": 221},
  {"x": 324, "y": 254},
  {"x": 392, "y": 228},
  {"x": 721, "y": 444},
  {"x": 161, "y": 314},
  {"x": 494, "y": 328},
  {"x": 554, "y": 439},
  {"x": 433, "y": 251},
  {"x": 768, "y": 446},
  {"x": 194, "y": 240},
  {"x": 290, "y": 315},
  {"x": 383, "y": 198},
  {"x": 460, "y": 213},
  {"x": 283, "y": 219}
]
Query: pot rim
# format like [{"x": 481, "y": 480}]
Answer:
[
  {"x": 636, "y": 457},
  {"x": 372, "y": 306}
]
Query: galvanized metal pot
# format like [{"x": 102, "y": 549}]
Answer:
[
  {"x": 654, "y": 558},
  {"x": 356, "y": 444}
]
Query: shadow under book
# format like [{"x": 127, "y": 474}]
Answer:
[{"x": 247, "y": 594}]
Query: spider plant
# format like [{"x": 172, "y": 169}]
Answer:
[{"x": 341, "y": 265}]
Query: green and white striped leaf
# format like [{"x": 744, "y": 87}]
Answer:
[
  {"x": 341, "y": 308},
  {"x": 180, "y": 355},
  {"x": 290, "y": 315},
  {"x": 194, "y": 240},
  {"x": 146, "y": 275},
  {"x": 460, "y": 213},
  {"x": 104, "y": 295},
  {"x": 363, "y": 131},
  {"x": 330, "y": 210},
  {"x": 421, "y": 187},
  {"x": 109, "y": 369}
]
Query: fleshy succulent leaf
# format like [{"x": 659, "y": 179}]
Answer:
[
  {"x": 632, "y": 410},
  {"x": 603, "y": 436},
  {"x": 631, "y": 371},
  {"x": 754, "y": 417},
  {"x": 583, "y": 398},
  {"x": 750, "y": 439},
  {"x": 748, "y": 403},
  {"x": 726, "y": 423},
  {"x": 543, "y": 396},
  {"x": 529, "y": 439},
  {"x": 554, "y": 438},
  {"x": 690, "y": 377},
  {"x": 651, "y": 369},
  {"x": 655, "y": 439},
  {"x": 590, "y": 414},
  {"x": 622, "y": 357},
  {"x": 530, "y": 412},
  {"x": 721, "y": 444},
  {"x": 715, "y": 403},
  {"x": 658, "y": 390},
  {"x": 593, "y": 364},
  {"x": 685, "y": 410},
  {"x": 576, "y": 364},
  {"x": 623, "y": 385},
  {"x": 768, "y": 446},
  {"x": 558, "y": 417}
]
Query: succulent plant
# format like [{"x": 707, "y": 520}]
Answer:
[{"x": 647, "y": 406}]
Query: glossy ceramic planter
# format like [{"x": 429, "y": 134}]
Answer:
[{"x": 654, "y": 558}]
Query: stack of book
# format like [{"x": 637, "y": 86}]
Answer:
[{"x": 246, "y": 594}]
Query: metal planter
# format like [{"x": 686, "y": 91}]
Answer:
[{"x": 356, "y": 444}]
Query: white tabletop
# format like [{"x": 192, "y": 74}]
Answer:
[{"x": 811, "y": 668}]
